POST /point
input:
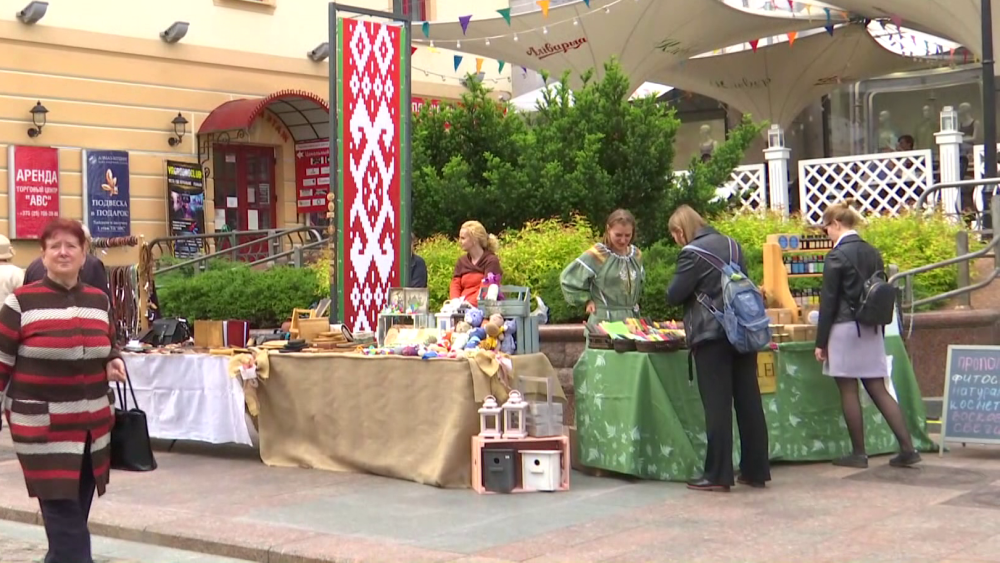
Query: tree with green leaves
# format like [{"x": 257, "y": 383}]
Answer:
[{"x": 583, "y": 152}]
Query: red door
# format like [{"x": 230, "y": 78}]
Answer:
[{"x": 244, "y": 195}]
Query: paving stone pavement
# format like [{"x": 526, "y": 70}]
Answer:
[
  {"x": 223, "y": 502},
  {"x": 25, "y": 543}
]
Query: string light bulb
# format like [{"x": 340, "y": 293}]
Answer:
[
  {"x": 432, "y": 43},
  {"x": 576, "y": 21},
  {"x": 487, "y": 41},
  {"x": 458, "y": 44},
  {"x": 607, "y": 10},
  {"x": 515, "y": 37},
  {"x": 545, "y": 30}
]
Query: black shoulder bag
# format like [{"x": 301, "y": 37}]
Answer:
[{"x": 131, "y": 449}]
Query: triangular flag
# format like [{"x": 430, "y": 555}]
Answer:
[
  {"x": 791, "y": 4},
  {"x": 479, "y": 65},
  {"x": 524, "y": 70},
  {"x": 500, "y": 65},
  {"x": 426, "y": 27},
  {"x": 458, "y": 62},
  {"x": 845, "y": 15},
  {"x": 753, "y": 44},
  {"x": 464, "y": 20},
  {"x": 413, "y": 50},
  {"x": 898, "y": 21},
  {"x": 505, "y": 12},
  {"x": 791, "y": 37},
  {"x": 827, "y": 10},
  {"x": 544, "y": 5},
  {"x": 586, "y": 3},
  {"x": 829, "y": 29},
  {"x": 808, "y": 10}
]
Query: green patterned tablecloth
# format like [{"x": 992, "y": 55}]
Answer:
[{"x": 638, "y": 414}]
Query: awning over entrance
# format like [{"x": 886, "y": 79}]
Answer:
[
  {"x": 646, "y": 36},
  {"x": 305, "y": 115},
  {"x": 778, "y": 81}
]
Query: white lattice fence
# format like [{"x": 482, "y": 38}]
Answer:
[
  {"x": 979, "y": 166},
  {"x": 749, "y": 182},
  {"x": 882, "y": 184}
]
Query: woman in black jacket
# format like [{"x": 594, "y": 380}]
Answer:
[
  {"x": 849, "y": 350},
  {"x": 726, "y": 378}
]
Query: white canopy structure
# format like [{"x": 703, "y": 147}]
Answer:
[
  {"x": 644, "y": 35},
  {"x": 778, "y": 81},
  {"x": 958, "y": 20}
]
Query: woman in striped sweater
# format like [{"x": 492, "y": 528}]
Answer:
[{"x": 57, "y": 355}]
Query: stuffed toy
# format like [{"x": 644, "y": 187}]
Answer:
[
  {"x": 473, "y": 343},
  {"x": 492, "y": 336},
  {"x": 459, "y": 340},
  {"x": 479, "y": 333},
  {"x": 492, "y": 284},
  {"x": 474, "y": 317},
  {"x": 508, "y": 344},
  {"x": 462, "y": 327},
  {"x": 497, "y": 319}
]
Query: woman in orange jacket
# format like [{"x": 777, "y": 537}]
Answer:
[{"x": 479, "y": 260}]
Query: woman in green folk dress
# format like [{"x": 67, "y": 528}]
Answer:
[{"x": 608, "y": 277}]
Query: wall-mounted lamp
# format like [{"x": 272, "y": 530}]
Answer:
[
  {"x": 38, "y": 118},
  {"x": 175, "y": 32},
  {"x": 320, "y": 53},
  {"x": 180, "y": 128},
  {"x": 33, "y": 12}
]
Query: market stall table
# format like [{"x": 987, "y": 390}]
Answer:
[
  {"x": 189, "y": 397},
  {"x": 394, "y": 416},
  {"x": 639, "y": 414}
]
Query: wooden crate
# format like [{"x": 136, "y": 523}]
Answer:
[{"x": 479, "y": 444}]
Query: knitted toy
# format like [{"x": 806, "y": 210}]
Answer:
[
  {"x": 492, "y": 336},
  {"x": 474, "y": 317},
  {"x": 508, "y": 344}
]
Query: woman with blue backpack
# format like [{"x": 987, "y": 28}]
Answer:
[
  {"x": 726, "y": 323},
  {"x": 855, "y": 304}
]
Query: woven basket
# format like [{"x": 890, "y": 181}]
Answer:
[
  {"x": 659, "y": 346},
  {"x": 599, "y": 342},
  {"x": 624, "y": 345}
]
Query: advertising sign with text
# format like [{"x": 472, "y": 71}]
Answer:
[
  {"x": 106, "y": 203},
  {"x": 312, "y": 176},
  {"x": 33, "y": 189}
]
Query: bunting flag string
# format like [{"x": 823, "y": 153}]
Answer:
[
  {"x": 545, "y": 6},
  {"x": 458, "y": 61},
  {"x": 500, "y": 65},
  {"x": 456, "y": 79},
  {"x": 753, "y": 44},
  {"x": 479, "y": 64},
  {"x": 791, "y": 37}
]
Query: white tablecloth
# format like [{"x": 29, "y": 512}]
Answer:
[{"x": 189, "y": 397}]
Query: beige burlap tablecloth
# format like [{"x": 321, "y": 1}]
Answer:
[{"x": 394, "y": 416}]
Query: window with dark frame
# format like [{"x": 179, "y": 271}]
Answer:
[{"x": 415, "y": 8}]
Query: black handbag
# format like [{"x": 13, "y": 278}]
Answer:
[{"x": 131, "y": 449}]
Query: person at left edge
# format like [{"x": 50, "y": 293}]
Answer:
[
  {"x": 57, "y": 356},
  {"x": 93, "y": 272},
  {"x": 418, "y": 268},
  {"x": 726, "y": 378}
]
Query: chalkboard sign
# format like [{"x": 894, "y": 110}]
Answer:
[{"x": 971, "y": 410}]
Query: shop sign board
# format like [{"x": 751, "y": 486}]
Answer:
[
  {"x": 312, "y": 176},
  {"x": 971, "y": 409},
  {"x": 186, "y": 204},
  {"x": 106, "y": 201},
  {"x": 33, "y": 189}
]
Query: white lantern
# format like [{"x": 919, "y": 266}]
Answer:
[
  {"x": 513, "y": 417},
  {"x": 775, "y": 137},
  {"x": 949, "y": 119},
  {"x": 489, "y": 418}
]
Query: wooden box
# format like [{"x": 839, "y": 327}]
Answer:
[
  {"x": 781, "y": 316},
  {"x": 221, "y": 334},
  {"x": 801, "y": 333}
]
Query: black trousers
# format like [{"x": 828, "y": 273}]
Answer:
[
  {"x": 66, "y": 520},
  {"x": 728, "y": 379}
]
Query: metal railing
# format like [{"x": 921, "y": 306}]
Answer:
[
  {"x": 260, "y": 247},
  {"x": 295, "y": 256},
  {"x": 962, "y": 260}
]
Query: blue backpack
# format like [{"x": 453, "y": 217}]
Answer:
[{"x": 744, "y": 315}]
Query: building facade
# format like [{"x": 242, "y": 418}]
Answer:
[{"x": 240, "y": 77}]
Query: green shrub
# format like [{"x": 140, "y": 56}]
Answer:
[{"x": 265, "y": 298}]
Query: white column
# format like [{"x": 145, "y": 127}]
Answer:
[
  {"x": 777, "y": 157},
  {"x": 949, "y": 141}
]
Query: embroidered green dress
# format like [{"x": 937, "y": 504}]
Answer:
[{"x": 612, "y": 281}]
